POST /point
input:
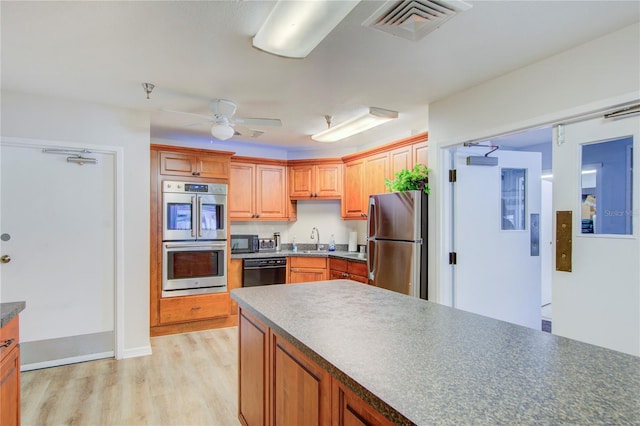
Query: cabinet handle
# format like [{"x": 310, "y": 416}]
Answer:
[
  {"x": 7, "y": 343},
  {"x": 195, "y": 308},
  {"x": 195, "y": 173}
]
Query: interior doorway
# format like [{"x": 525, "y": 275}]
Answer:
[
  {"x": 501, "y": 231},
  {"x": 59, "y": 227}
]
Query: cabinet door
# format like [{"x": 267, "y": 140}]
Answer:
[
  {"x": 301, "y": 388},
  {"x": 328, "y": 180},
  {"x": 212, "y": 166},
  {"x": 421, "y": 154},
  {"x": 253, "y": 370},
  {"x": 241, "y": 191},
  {"x": 375, "y": 171},
  {"x": 351, "y": 410},
  {"x": 176, "y": 164},
  {"x": 10, "y": 388},
  {"x": 399, "y": 159},
  {"x": 271, "y": 192},
  {"x": 353, "y": 200},
  {"x": 305, "y": 275},
  {"x": 301, "y": 181}
]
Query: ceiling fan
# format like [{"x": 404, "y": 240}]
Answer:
[{"x": 222, "y": 111}]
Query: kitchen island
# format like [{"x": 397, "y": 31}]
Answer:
[{"x": 417, "y": 362}]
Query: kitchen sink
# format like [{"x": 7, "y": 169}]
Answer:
[{"x": 315, "y": 251}]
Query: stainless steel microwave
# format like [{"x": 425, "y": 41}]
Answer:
[{"x": 244, "y": 243}]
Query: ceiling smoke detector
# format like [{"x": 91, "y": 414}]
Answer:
[{"x": 414, "y": 19}]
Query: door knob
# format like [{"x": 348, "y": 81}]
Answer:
[{"x": 5, "y": 258}]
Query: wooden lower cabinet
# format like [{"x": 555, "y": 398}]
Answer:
[
  {"x": 304, "y": 269},
  {"x": 350, "y": 410},
  {"x": 191, "y": 308},
  {"x": 10, "y": 374},
  {"x": 234, "y": 280},
  {"x": 342, "y": 269},
  {"x": 280, "y": 385},
  {"x": 301, "y": 389},
  {"x": 253, "y": 370}
]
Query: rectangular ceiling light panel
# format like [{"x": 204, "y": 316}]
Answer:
[
  {"x": 373, "y": 118},
  {"x": 414, "y": 19},
  {"x": 294, "y": 28}
]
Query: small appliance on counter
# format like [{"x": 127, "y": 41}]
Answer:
[
  {"x": 244, "y": 243},
  {"x": 276, "y": 236},
  {"x": 266, "y": 244}
]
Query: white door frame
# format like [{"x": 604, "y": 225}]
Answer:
[
  {"x": 118, "y": 153},
  {"x": 440, "y": 272}
]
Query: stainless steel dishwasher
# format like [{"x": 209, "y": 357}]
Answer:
[{"x": 264, "y": 271}]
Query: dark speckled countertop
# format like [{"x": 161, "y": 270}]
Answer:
[
  {"x": 288, "y": 253},
  {"x": 10, "y": 310},
  {"x": 423, "y": 363}
]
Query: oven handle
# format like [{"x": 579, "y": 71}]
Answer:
[
  {"x": 196, "y": 246},
  {"x": 247, "y": 268}
]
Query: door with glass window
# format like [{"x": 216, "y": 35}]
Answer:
[
  {"x": 597, "y": 298},
  {"x": 496, "y": 237}
]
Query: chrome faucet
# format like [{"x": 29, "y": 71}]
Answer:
[{"x": 318, "y": 235}]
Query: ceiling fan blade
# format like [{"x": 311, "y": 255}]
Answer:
[
  {"x": 198, "y": 123},
  {"x": 206, "y": 117},
  {"x": 258, "y": 121}
]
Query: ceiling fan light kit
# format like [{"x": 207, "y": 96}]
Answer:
[
  {"x": 294, "y": 28},
  {"x": 222, "y": 131},
  {"x": 374, "y": 117}
]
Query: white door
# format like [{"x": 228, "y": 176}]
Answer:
[
  {"x": 599, "y": 300},
  {"x": 58, "y": 220},
  {"x": 498, "y": 267}
]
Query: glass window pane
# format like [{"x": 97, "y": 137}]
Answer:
[
  {"x": 514, "y": 184},
  {"x": 606, "y": 187}
]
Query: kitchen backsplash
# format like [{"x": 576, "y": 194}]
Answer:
[{"x": 323, "y": 214}]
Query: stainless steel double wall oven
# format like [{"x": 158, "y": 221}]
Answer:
[{"x": 194, "y": 238}]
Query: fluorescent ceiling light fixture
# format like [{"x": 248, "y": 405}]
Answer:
[
  {"x": 222, "y": 131},
  {"x": 294, "y": 28},
  {"x": 373, "y": 118}
]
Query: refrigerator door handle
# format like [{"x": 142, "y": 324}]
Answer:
[
  {"x": 372, "y": 218},
  {"x": 371, "y": 259}
]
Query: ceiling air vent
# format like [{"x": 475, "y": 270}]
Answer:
[{"x": 414, "y": 19}]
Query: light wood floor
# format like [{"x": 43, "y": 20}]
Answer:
[{"x": 191, "y": 379}]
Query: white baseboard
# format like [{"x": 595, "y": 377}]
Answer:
[
  {"x": 136, "y": 352},
  {"x": 65, "y": 361}
]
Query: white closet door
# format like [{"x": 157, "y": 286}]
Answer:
[{"x": 60, "y": 217}]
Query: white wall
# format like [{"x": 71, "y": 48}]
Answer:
[
  {"x": 600, "y": 73},
  {"x": 323, "y": 214},
  {"x": 36, "y": 117}
]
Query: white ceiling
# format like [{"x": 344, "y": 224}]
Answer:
[{"x": 101, "y": 51}]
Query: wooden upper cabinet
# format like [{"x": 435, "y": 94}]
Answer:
[
  {"x": 258, "y": 192},
  {"x": 242, "y": 181},
  {"x": 400, "y": 158},
  {"x": 353, "y": 201},
  {"x": 376, "y": 169},
  {"x": 317, "y": 180},
  {"x": 194, "y": 165},
  {"x": 421, "y": 154},
  {"x": 271, "y": 192}
]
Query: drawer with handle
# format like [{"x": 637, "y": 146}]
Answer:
[
  {"x": 9, "y": 337},
  {"x": 190, "y": 308}
]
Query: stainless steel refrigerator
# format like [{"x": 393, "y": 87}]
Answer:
[{"x": 397, "y": 242}]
